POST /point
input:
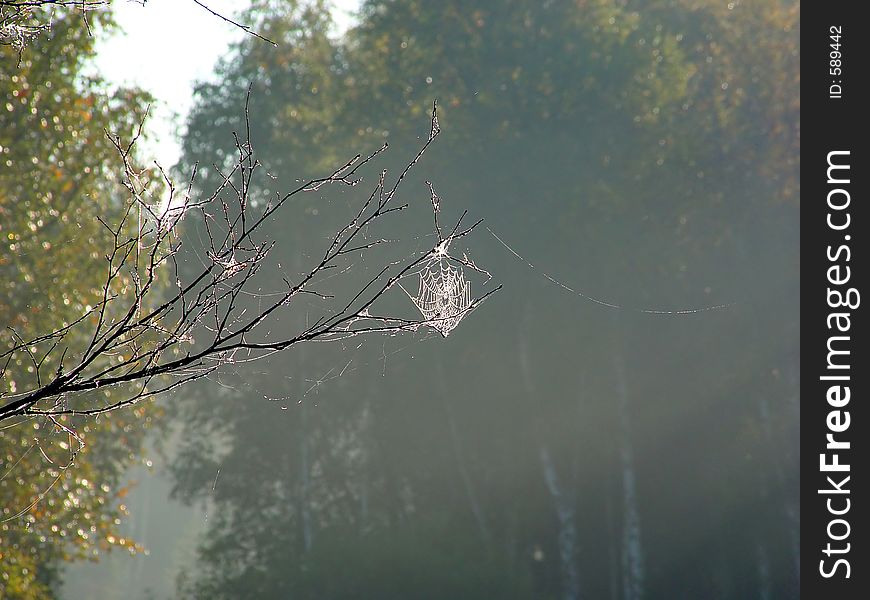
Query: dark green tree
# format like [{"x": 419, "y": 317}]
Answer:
[{"x": 634, "y": 148}]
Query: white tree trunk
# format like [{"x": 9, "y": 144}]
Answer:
[
  {"x": 567, "y": 527},
  {"x": 563, "y": 502},
  {"x": 632, "y": 548}
]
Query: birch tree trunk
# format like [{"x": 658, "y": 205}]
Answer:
[
  {"x": 567, "y": 527},
  {"x": 563, "y": 502},
  {"x": 632, "y": 549}
]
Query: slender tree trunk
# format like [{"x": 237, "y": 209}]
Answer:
[
  {"x": 612, "y": 556},
  {"x": 563, "y": 502},
  {"x": 762, "y": 562},
  {"x": 363, "y": 474},
  {"x": 632, "y": 548},
  {"x": 511, "y": 537},
  {"x": 305, "y": 492},
  {"x": 782, "y": 460},
  {"x": 468, "y": 483},
  {"x": 567, "y": 527},
  {"x": 792, "y": 507},
  {"x": 304, "y": 458},
  {"x": 459, "y": 455}
]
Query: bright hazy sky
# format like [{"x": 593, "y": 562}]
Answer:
[{"x": 164, "y": 47}]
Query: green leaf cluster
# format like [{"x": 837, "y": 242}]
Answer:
[{"x": 62, "y": 480}]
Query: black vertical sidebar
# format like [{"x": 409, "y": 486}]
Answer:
[{"x": 835, "y": 223}]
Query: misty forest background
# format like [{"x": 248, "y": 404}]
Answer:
[{"x": 642, "y": 152}]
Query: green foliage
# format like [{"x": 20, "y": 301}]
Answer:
[
  {"x": 430, "y": 558},
  {"x": 61, "y": 500},
  {"x": 641, "y": 148},
  {"x": 426, "y": 559}
]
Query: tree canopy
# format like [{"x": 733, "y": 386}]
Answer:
[
  {"x": 63, "y": 479},
  {"x": 640, "y": 148},
  {"x": 629, "y": 158}
]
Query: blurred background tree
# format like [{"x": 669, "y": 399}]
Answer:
[
  {"x": 644, "y": 152},
  {"x": 62, "y": 480}
]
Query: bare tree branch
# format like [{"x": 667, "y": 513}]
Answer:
[
  {"x": 23, "y": 20},
  {"x": 146, "y": 341},
  {"x": 244, "y": 28}
]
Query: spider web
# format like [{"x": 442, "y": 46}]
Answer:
[
  {"x": 444, "y": 295},
  {"x": 599, "y": 301}
]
